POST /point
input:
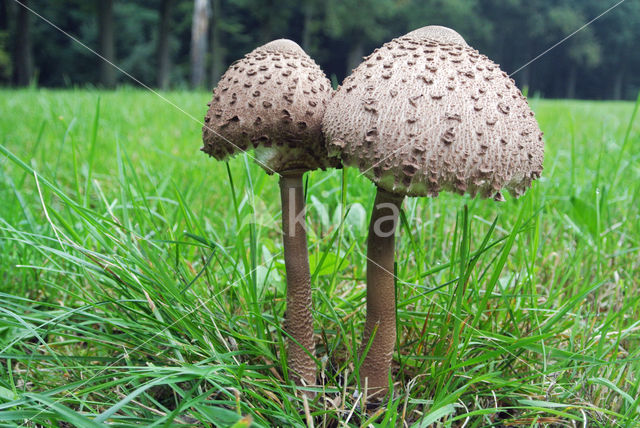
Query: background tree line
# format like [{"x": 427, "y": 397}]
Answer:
[{"x": 189, "y": 43}]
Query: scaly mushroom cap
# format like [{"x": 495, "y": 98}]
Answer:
[
  {"x": 426, "y": 113},
  {"x": 272, "y": 100},
  {"x": 437, "y": 33}
]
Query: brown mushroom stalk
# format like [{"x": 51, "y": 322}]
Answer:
[
  {"x": 381, "y": 297},
  {"x": 299, "y": 321}
]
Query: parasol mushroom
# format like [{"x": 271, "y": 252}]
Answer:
[
  {"x": 425, "y": 113},
  {"x": 273, "y": 101}
]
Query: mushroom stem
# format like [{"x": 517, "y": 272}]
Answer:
[
  {"x": 381, "y": 298},
  {"x": 298, "y": 318}
]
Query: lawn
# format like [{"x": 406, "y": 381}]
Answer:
[{"x": 143, "y": 283}]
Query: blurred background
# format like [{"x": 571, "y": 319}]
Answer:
[{"x": 181, "y": 44}]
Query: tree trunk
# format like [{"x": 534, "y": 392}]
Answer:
[
  {"x": 524, "y": 76},
  {"x": 4, "y": 19},
  {"x": 217, "y": 50},
  {"x": 199, "y": 30},
  {"x": 164, "y": 59},
  {"x": 355, "y": 56},
  {"x": 22, "y": 53},
  {"x": 571, "y": 82},
  {"x": 266, "y": 18},
  {"x": 307, "y": 11},
  {"x": 6, "y": 58},
  {"x": 107, "y": 43},
  {"x": 524, "y": 79},
  {"x": 618, "y": 84}
]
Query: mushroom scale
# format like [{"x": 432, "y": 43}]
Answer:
[
  {"x": 272, "y": 100},
  {"x": 426, "y": 113}
]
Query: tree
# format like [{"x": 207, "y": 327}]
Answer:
[
  {"x": 269, "y": 19},
  {"x": 165, "y": 42},
  {"x": 582, "y": 49},
  {"x": 5, "y": 57},
  {"x": 107, "y": 43},
  {"x": 164, "y": 58},
  {"x": 217, "y": 49},
  {"x": 308, "y": 10},
  {"x": 619, "y": 31},
  {"x": 4, "y": 11},
  {"x": 462, "y": 15},
  {"x": 199, "y": 32},
  {"x": 22, "y": 54},
  {"x": 518, "y": 33},
  {"x": 359, "y": 23}
]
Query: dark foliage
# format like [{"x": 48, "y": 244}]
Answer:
[{"x": 597, "y": 62}]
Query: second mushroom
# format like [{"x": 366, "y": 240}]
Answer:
[{"x": 425, "y": 113}]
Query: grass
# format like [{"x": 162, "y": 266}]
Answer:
[{"x": 142, "y": 283}]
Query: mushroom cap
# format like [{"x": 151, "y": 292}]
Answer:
[
  {"x": 420, "y": 116},
  {"x": 272, "y": 100},
  {"x": 438, "y": 33}
]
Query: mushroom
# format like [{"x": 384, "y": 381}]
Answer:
[
  {"x": 273, "y": 101},
  {"x": 425, "y": 113}
]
